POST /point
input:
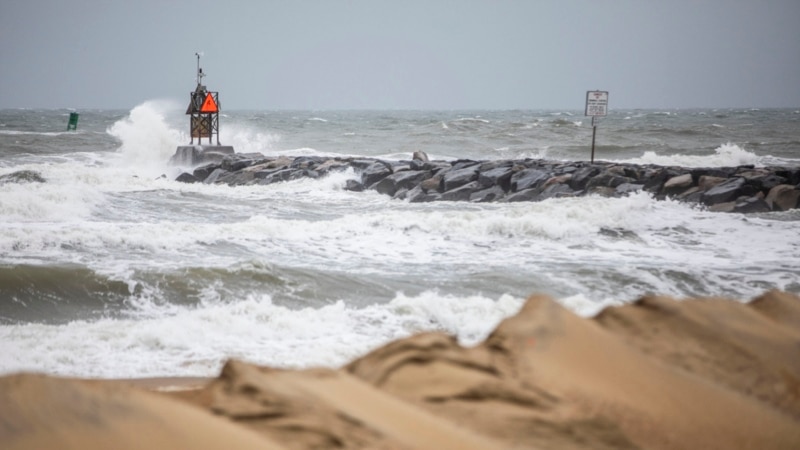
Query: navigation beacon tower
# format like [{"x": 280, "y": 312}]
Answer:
[{"x": 203, "y": 112}]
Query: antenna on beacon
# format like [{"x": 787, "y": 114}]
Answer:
[
  {"x": 200, "y": 73},
  {"x": 203, "y": 112}
]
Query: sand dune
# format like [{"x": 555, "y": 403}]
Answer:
[
  {"x": 656, "y": 374},
  {"x": 41, "y": 412}
]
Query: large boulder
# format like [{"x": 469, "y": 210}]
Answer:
[
  {"x": 238, "y": 161},
  {"x": 527, "y": 195},
  {"x": 406, "y": 179},
  {"x": 680, "y": 182},
  {"x": 754, "y": 204},
  {"x": 461, "y": 193},
  {"x": 608, "y": 178},
  {"x": 214, "y": 176},
  {"x": 375, "y": 172},
  {"x": 706, "y": 182},
  {"x": 491, "y": 194},
  {"x": 724, "y": 192},
  {"x": 498, "y": 176},
  {"x": 187, "y": 178},
  {"x": 527, "y": 179},
  {"x": 783, "y": 197},
  {"x": 459, "y": 177},
  {"x": 202, "y": 172},
  {"x": 432, "y": 184},
  {"x": 582, "y": 176},
  {"x": 419, "y": 195},
  {"x": 194, "y": 155}
]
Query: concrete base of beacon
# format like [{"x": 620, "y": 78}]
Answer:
[{"x": 194, "y": 155}]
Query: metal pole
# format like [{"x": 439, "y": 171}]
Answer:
[
  {"x": 594, "y": 132},
  {"x": 198, "y": 67}
]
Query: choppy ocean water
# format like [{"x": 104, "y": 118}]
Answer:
[{"x": 109, "y": 269}]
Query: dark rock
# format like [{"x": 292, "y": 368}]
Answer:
[
  {"x": 306, "y": 162},
  {"x": 353, "y": 185},
  {"x": 433, "y": 183},
  {"x": 463, "y": 164},
  {"x": 721, "y": 172},
  {"x": 498, "y": 176},
  {"x": 706, "y": 182},
  {"x": 558, "y": 179},
  {"x": 556, "y": 191},
  {"x": 409, "y": 178},
  {"x": 528, "y": 178},
  {"x": 627, "y": 171},
  {"x": 236, "y": 178},
  {"x": 418, "y": 164},
  {"x": 462, "y": 193},
  {"x": 692, "y": 196},
  {"x": 608, "y": 179},
  {"x": 238, "y": 161},
  {"x": 193, "y": 155},
  {"x": 739, "y": 189},
  {"x": 419, "y": 195},
  {"x": 406, "y": 179},
  {"x": 754, "y": 204},
  {"x": 362, "y": 164},
  {"x": 654, "y": 179},
  {"x": 582, "y": 176},
  {"x": 331, "y": 165},
  {"x": 724, "y": 192},
  {"x": 792, "y": 176},
  {"x": 308, "y": 173},
  {"x": 22, "y": 176},
  {"x": 187, "y": 178},
  {"x": 566, "y": 169},
  {"x": 769, "y": 181},
  {"x": 490, "y": 165},
  {"x": 202, "y": 172},
  {"x": 400, "y": 194},
  {"x": 375, "y": 172},
  {"x": 216, "y": 174},
  {"x": 491, "y": 194},
  {"x": 276, "y": 176},
  {"x": 522, "y": 196},
  {"x": 261, "y": 174},
  {"x": 399, "y": 166},
  {"x": 453, "y": 179}
]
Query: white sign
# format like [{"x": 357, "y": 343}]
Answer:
[{"x": 596, "y": 103}]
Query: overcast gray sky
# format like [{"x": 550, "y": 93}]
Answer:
[{"x": 402, "y": 54}]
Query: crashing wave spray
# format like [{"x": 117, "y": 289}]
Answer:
[{"x": 147, "y": 139}]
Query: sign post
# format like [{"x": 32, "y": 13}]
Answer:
[{"x": 596, "y": 106}]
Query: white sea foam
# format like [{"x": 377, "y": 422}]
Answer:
[
  {"x": 726, "y": 155},
  {"x": 60, "y": 198},
  {"x": 147, "y": 141},
  {"x": 246, "y": 140},
  {"x": 198, "y": 341}
]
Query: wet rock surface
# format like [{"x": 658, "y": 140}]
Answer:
[{"x": 743, "y": 189}]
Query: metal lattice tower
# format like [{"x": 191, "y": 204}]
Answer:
[{"x": 203, "y": 111}]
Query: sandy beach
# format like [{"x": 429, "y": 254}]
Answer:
[{"x": 658, "y": 373}]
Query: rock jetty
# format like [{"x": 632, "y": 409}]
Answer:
[{"x": 743, "y": 189}]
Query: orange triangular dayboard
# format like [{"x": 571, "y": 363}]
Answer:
[{"x": 209, "y": 105}]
